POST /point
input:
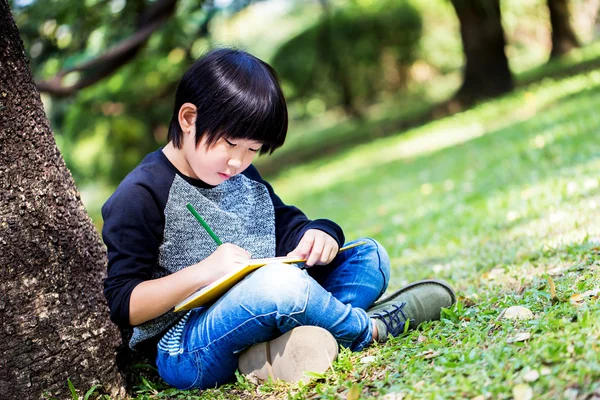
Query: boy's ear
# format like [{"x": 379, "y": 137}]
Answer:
[{"x": 187, "y": 117}]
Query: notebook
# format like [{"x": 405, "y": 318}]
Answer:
[{"x": 212, "y": 292}]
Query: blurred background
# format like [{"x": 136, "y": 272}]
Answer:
[{"x": 352, "y": 71}]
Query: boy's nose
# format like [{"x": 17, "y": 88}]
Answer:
[{"x": 234, "y": 163}]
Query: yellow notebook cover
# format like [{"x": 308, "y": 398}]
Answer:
[
  {"x": 216, "y": 289},
  {"x": 212, "y": 292}
]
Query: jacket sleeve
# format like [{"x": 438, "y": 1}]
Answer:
[
  {"x": 291, "y": 223},
  {"x": 132, "y": 232}
]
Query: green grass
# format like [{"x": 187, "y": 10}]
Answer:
[{"x": 499, "y": 201}]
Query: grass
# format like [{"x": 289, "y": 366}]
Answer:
[{"x": 502, "y": 201}]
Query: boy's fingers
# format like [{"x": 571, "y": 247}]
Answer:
[
  {"x": 235, "y": 247},
  {"x": 304, "y": 247},
  {"x": 329, "y": 252},
  {"x": 325, "y": 254},
  {"x": 316, "y": 251},
  {"x": 332, "y": 254}
]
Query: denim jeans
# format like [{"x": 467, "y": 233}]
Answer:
[{"x": 269, "y": 302}]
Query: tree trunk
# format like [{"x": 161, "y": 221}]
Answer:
[
  {"x": 486, "y": 73},
  {"x": 339, "y": 72},
  {"x": 53, "y": 317},
  {"x": 563, "y": 36}
]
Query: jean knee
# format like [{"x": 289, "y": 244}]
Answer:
[
  {"x": 379, "y": 255},
  {"x": 278, "y": 287},
  {"x": 182, "y": 371}
]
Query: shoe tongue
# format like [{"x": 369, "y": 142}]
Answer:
[{"x": 382, "y": 332}]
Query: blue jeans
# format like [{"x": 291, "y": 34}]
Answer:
[{"x": 203, "y": 351}]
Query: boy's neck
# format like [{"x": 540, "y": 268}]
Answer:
[
  {"x": 175, "y": 156},
  {"x": 177, "y": 159}
]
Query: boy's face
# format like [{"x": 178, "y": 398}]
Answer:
[{"x": 226, "y": 158}]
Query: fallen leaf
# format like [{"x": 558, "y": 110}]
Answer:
[
  {"x": 480, "y": 397},
  {"x": 393, "y": 396},
  {"x": 557, "y": 271},
  {"x": 367, "y": 359},
  {"x": 429, "y": 354},
  {"x": 577, "y": 299},
  {"x": 591, "y": 293},
  {"x": 252, "y": 378},
  {"x": 571, "y": 393},
  {"x": 354, "y": 392},
  {"x": 522, "y": 391},
  {"x": 552, "y": 287},
  {"x": 516, "y": 312},
  {"x": 519, "y": 337},
  {"x": 531, "y": 376},
  {"x": 545, "y": 371},
  {"x": 494, "y": 273},
  {"x": 421, "y": 339}
]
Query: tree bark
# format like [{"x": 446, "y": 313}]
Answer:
[
  {"x": 486, "y": 73},
  {"x": 563, "y": 35},
  {"x": 53, "y": 317}
]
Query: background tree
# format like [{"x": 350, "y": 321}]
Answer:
[
  {"x": 54, "y": 319},
  {"x": 351, "y": 55},
  {"x": 327, "y": 50},
  {"x": 94, "y": 70},
  {"x": 564, "y": 38},
  {"x": 486, "y": 70}
]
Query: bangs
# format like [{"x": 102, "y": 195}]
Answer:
[
  {"x": 249, "y": 107},
  {"x": 237, "y": 96}
]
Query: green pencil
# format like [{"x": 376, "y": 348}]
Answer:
[{"x": 204, "y": 224}]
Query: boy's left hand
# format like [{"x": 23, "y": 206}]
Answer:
[{"x": 317, "y": 247}]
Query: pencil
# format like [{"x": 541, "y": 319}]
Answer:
[{"x": 204, "y": 224}]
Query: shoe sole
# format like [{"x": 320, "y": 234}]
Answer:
[
  {"x": 416, "y": 284},
  {"x": 288, "y": 357}
]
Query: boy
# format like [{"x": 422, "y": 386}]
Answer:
[{"x": 281, "y": 320}]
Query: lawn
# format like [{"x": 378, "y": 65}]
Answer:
[{"x": 503, "y": 202}]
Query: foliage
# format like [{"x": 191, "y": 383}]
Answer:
[
  {"x": 106, "y": 129},
  {"x": 374, "y": 44}
]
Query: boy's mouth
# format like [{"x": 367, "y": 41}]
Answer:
[{"x": 224, "y": 176}]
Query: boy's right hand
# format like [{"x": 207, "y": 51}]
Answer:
[{"x": 226, "y": 258}]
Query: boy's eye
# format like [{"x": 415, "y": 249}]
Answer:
[
  {"x": 230, "y": 143},
  {"x": 254, "y": 150}
]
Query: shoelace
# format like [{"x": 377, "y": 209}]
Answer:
[{"x": 391, "y": 319}]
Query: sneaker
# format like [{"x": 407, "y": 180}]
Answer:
[
  {"x": 288, "y": 357},
  {"x": 415, "y": 303}
]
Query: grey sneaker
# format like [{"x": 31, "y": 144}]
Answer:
[
  {"x": 415, "y": 303},
  {"x": 288, "y": 357}
]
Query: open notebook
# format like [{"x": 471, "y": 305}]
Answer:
[{"x": 212, "y": 292}]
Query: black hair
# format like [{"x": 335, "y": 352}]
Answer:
[{"x": 237, "y": 96}]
